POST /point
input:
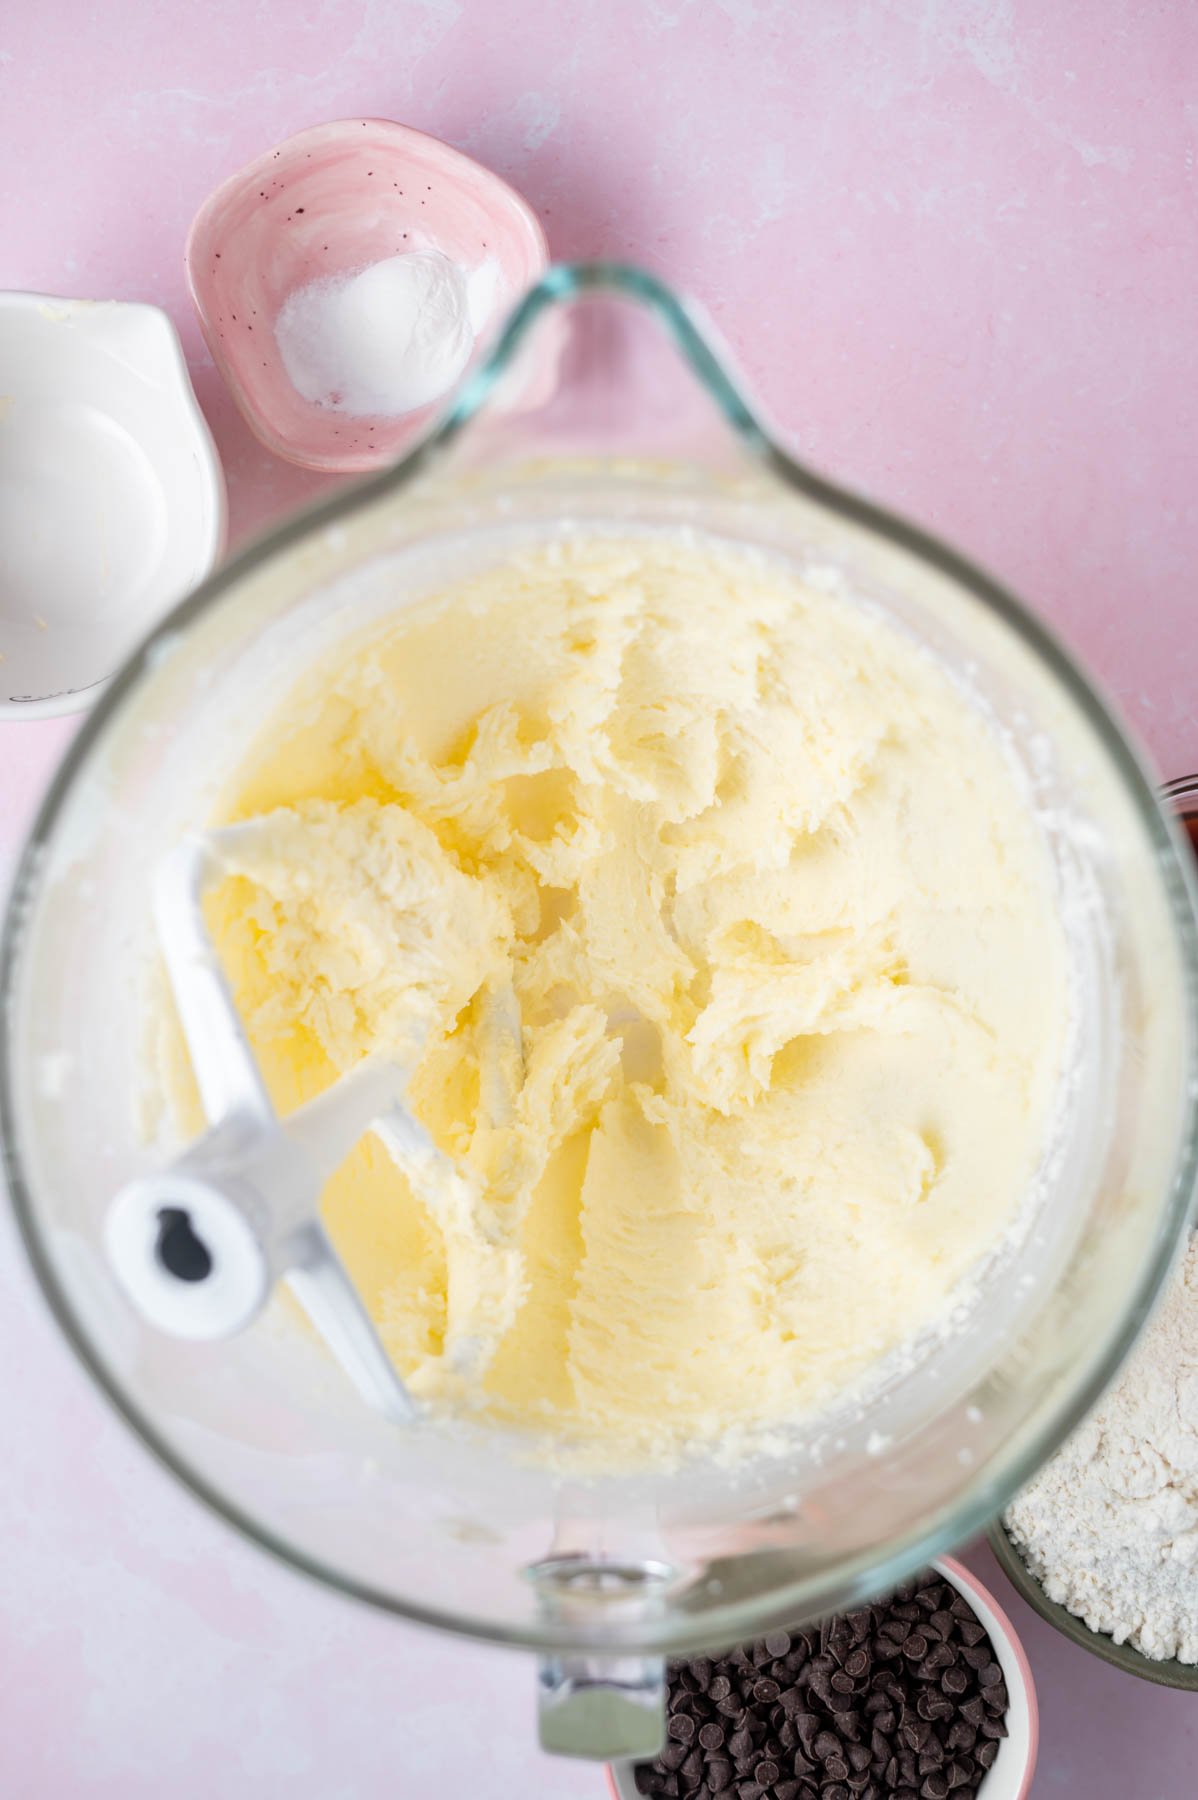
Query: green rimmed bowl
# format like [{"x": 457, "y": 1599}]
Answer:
[{"x": 1167, "y": 1672}]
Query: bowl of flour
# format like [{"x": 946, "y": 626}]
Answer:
[{"x": 1103, "y": 1543}]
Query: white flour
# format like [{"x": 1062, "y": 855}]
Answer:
[{"x": 1110, "y": 1525}]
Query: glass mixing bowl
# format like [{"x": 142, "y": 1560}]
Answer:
[{"x": 603, "y": 407}]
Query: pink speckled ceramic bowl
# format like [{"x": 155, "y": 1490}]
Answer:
[
  {"x": 329, "y": 201},
  {"x": 1015, "y": 1764}
]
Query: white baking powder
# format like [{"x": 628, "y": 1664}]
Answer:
[
  {"x": 385, "y": 339},
  {"x": 1110, "y": 1526}
]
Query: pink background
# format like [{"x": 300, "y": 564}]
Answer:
[{"x": 955, "y": 245}]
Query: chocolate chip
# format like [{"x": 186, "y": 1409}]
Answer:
[
  {"x": 836, "y": 1791},
  {"x": 859, "y": 1758},
  {"x": 719, "y": 1774},
  {"x": 836, "y": 1768},
  {"x": 681, "y": 1726},
  {"x": 993, "y": 1728},
  {"x": 985, "y": 1755},
  {"x": 954, "y": 1681},
  {"x": 842, "y": 1682},
  {"x": 997, "y": 1697},
  {"x": 974, "y": 1711},
  {"x": 935, "y": 1787},
  {"x": 673, "y": 1756},
  {"x": 740, "y": 1743},
  {"x": 916, "y": 1647},
  {"x": 711, "y": 1736},
  {"x": 958, "y": 1774},
  {"x": 808, "y": 1727},
  {"x": 766, "y": 1691},
  {"x": 785, "y": 1790},
  {"x": 857, "y": 1664},
  {"x": 692, "y": 1769},
  {"x": 990, "y": 1675},
  {"x": 720, "y": 1687},
  {"x": 767, "y": 1772},
  {"x": 971, "y": 1631},
  {"x": 778, "y": 1643}
]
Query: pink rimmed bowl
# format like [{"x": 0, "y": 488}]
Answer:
[
  {"x": 1015, "y": 1765},
  {"x": 327, "y": 202}
]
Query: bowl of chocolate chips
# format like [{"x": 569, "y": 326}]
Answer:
[{"x": 925, "y": 1695}]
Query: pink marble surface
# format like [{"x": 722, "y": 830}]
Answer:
[{"x": 955, "y": 245}]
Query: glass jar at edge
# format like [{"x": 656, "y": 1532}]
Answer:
[{"x": 1182, "y": 796}]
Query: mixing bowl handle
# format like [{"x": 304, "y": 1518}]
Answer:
[
  {"x": 603, "y": 1703},
  {"x": 601, "y": 1707}
]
